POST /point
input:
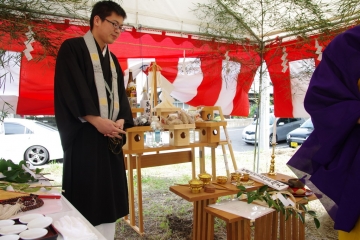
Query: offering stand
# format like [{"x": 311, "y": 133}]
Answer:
[
  {"x": 203, "y": 216},
  {"x": 151, "y": 157},
  {"x": 179, "y": 150}
]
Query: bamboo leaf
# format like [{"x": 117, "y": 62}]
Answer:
[
  {"x": 301, "y": 217},
  {"x": 317, "y": 222},
  {"x": 263, "y": 188},
  {"x": 312, "y": 213},
  {"x": 303, "y": 207}
]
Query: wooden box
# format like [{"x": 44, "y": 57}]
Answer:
[
  {"x": 179, "y": 135},
  {"x": 207, "y": 113},
  {"x": 136, "y": 111},
  {"x": 135, "y": 137},
  {"x": 209, "y": 131},
  {"x": 164, "y": 112}
]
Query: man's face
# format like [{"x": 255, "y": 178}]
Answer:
[{"x": 109, "y": 30}]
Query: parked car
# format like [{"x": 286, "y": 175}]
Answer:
[
  {"x": 29, "y": 140},
  {"x": 299, "y": 135},
  {"x": 283, "y": 126}
]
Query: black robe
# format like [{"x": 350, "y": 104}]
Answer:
[{"x": 94, "y": 178}]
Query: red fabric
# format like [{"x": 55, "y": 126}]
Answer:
[
  {"x": 296, "y": 50},
  {"x": 210, "y": 87},
  {"x": 36, "y": 78},
  {"x": 36, "y": 91}
]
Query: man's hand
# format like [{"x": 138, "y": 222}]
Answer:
[
  {"x": 120, "y": 123},
  {"x": 105, "y": 126}
]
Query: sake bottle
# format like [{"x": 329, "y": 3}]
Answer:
[
  {"x": 131, "y": 90},
  {"x": 145, "y": 103}
]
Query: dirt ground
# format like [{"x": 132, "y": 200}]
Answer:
[{"x": 167, "y": 216}]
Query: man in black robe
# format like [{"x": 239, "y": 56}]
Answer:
[{"x": 92, "y": 113}]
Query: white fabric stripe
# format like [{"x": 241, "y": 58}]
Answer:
[
  {"x": 300, "y": 75},
  {"x": 10, "y": 81},
  {"x": 229, "y": 74},
  {"x": 188, "y": 79},
  {"x": 100, "y": 81}
]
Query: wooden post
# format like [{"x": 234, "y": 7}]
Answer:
[{"x": 154, "y": 68}]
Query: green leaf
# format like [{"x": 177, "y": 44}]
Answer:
[
  {"x": 303, "y": 207},
  {"x": 3, "y": 165},
  {"x": 312, "y": 213},
  {"x": 242, "y": 188},
  {"x": 287, "y": 214},
  {"x": 262, "y": 189},
  {"x": 39, "y": 170},
  {"x": 34, "y": 189},
  {"x": 317, "y": 222},
  {"x": 282, "y": 209},
  {"x": 301, "y": 217}
]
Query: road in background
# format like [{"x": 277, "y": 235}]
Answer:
[{"x": 238, "y": 144}]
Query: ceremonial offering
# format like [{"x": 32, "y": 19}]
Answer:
[
  {"x": 247, "y": 183},
  {"x": 196, "y": 185},
  {"x": 221, "y": 179},
  {"x": 235, "y": 176},
  {"x": 13, "y": 202},
  {"x": 244, "y": 177},
  {"x": 209, "y": 188},
  {"x": 205, "y": 177}
]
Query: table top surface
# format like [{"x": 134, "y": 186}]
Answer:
[
  {"x": 167, "y": 147},
  {"x": 185, "y": 192}
]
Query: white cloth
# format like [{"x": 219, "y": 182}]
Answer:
[
  {"x": 107, "y": 230},
  {"x": 73, "y": 228}
]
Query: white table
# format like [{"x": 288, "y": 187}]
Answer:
[{"x": 57, "y": 208}]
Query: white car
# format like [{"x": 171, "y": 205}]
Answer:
[
  {"x": 283, "y": 126},
  {"x": 29, "y": 140}
]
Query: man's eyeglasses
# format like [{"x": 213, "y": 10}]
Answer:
[{"x": 116, "y": 25}]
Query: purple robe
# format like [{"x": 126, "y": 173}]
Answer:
[{"x": 330, "y": 157}]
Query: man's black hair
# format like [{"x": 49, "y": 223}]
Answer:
[{"x": 104, "y": 9}]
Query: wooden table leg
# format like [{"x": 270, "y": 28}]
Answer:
[
  {"x": 202, "y": 159},
  {"x": 302, "y": 228},
  {"x": 139, "y": 189},
  {"x": 213, "y": 163},
  {"x": 193, "y": 165},
  {"x": 203, "y": 223},
  {"x": 131, "y": 222}
]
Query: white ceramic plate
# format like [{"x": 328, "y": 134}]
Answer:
[
  {"x": 14, "y": 229},
  {"x": 4, "y": 223},
  {"x": 10, "y": 237},
  {"x": 28, "y": 217},
  {"x": 42, "y": 222},
  {"x": 33, "y": 233}
]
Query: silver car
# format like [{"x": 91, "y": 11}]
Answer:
[{"x": 283, "y": 127}]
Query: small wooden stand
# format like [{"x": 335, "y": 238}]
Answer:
[
  {"x": 135, "y": 137},
  {"x": 135, "y": 111},
  {"x": 164, "y": 112},
  {"x": 209, "y": 132},
  {"x": 179, "y": 135}
]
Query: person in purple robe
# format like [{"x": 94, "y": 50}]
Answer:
[{"x": 329, "y": 160}]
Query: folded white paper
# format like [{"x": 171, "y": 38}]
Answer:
[
  {"x": 73, "y": 228},
  {"x": 243, "y": 209}
]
